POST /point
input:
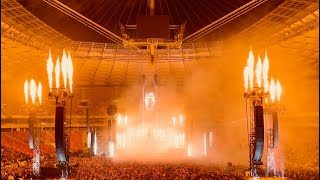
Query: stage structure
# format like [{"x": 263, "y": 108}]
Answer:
[
  {"x": 84, "y": 105},
  {"x": 271, "y": 110},
  {"x": 34, "y": 123},
  {"x": 111, "y": 111},
  {"x": 61, "y": 95},
  {"x": 258, "y": 94},
  {"x": 149, "y": 100}
]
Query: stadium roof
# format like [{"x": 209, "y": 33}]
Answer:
[{"x": 30, "y": 28}]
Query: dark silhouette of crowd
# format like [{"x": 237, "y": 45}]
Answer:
[
  {"x": 302, "y": 162},
  {"x": 16, "y": 162},
  {"x": 104, "y": 168},
  {"x": 9, "y": 156}
]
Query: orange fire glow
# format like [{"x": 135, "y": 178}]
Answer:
[
  {"x": 265, "y": 71},
  {"x": 250, "y": 66},
  {"x": 70, "y": 71},
  {"x": 259, "y": 72},
  {"x": 246, "y": 77},
  {"x": 57, "y": 71},
  {"x": 272, "y": 90},
  {"x": 26, "y": 89},
  {"x": 33, "y": 91},
  {"x": 50, "y": 69},
  {"x": 189, "y": 150},
  {"x": 40, "y": 92},
  {"x": 126, "y": 120},
  {"x": 64, "y": 67},
  {"x": 119, "y": 118},
  {"x": 278, "y": 90},
  {"x": 205, "y": 144}
]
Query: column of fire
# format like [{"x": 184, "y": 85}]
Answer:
[
  {"x": 34, "y": 132},
  {"x": 61, "y": 95},
  {"x": 258, "y": 94}
]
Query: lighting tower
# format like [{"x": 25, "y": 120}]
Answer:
[
  {"x": 258, "y": 94},
  {"x": 111, "y": 111},
  {"x": 61, "y": 95},
  {"x": 255, "y": 133},
  {"x": 271, "y": 109},
  {"x": 84, "y": 104},
  {"x": 34, "y": 132}
]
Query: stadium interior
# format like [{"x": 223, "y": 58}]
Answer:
[{"x": 159, "y": 89}]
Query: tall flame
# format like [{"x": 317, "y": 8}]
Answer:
[
  {"x": 40, "y": 92},
  {"x": 126, "y": 120},
  {"x": 119, "y": 118},
  {"x": 265, "y": 71},
  {"x": 95, "y": 145},
  {"x": 26, "y": 89},
  {"x": 64, "y": 67},
  {"x": 250, "y": 66},
  {"x": 33, "y": 91},
  {"x": 70, "y": 71},
  {"x": 210, "y": 138},
  {"x": 57, "y": 71},
  {"x": 272, "y": 90},
  {"x": 246, "y": 77},
  {"x": 259, "y": 72},
  {"x": 174, "y": 121},
  {"x": 189, "y": 150},
  {"x": 50, "y": 69},
  {"x": 278, "y": 90},
  {"x": 181, "y": 120}
]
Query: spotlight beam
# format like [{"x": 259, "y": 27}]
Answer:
[
  {"x": 87, "y": 22},
  {"x": 224, "y": 20}
]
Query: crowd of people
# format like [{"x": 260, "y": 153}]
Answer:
[
  {"x": 15, "y": 172},
  {"x": 103, "y": 168},
  {"x": 302, "y": 173},
  {"x": 302, "y": 162},
  {"x": 16, "y": 161},
  {"x": 14, "y": 164},
  {"x": 9, "y": 156},
  {"x": 88, "y": 167},
  {"x": 303, "y": 157}
]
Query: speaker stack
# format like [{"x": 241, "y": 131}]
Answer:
[
  {"x": 31, "y": 130},
  {"x": 259, "y": 132},
  {"x": 275, "y": 129},
  {"x": 59, "y": 134}
]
